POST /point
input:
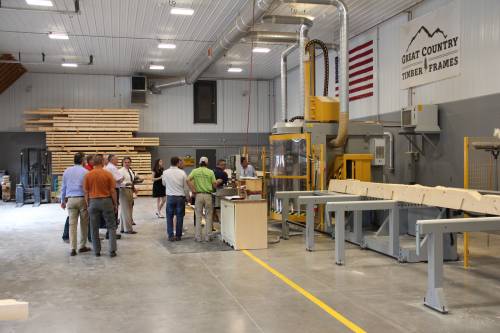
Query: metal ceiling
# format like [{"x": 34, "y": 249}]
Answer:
[{"x": 122, "y": 35}]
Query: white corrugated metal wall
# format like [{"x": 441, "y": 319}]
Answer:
[
  {"x": 479, "y": 69},
  {"x": 171, "y": 112}
]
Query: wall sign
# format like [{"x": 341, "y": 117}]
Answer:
[{"x": 430, "y": 47}]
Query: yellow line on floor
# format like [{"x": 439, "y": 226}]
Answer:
[{"x": 346, "y": 322}]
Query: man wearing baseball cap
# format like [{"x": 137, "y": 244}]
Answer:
[{"x": 202, "y": 183}]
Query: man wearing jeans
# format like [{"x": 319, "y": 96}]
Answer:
[
  {"x": 202, "y": 183},
  {"x": 177, "y": 192},
  {"x": 72, "y": 198},
  {"x": 100, "y": 195}
]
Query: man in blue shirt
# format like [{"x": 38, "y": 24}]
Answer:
[
  {"x": 72, "y": 198},
  {"x": 247, "y": 169},
  {"x": 220, "y": 173}
]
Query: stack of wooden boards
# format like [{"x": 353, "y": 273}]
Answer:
[
  {"x": 439, "y": 196},
  {"x": 106, "y": 131}
]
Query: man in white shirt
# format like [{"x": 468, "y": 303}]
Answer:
[
  {"x": 247, "y": 169},
  {"x": 127, "y": 196},
  {"x": 177, "y": 191},
  {"x": 112, "y": 167}
]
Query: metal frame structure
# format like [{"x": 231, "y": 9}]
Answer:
[
  {"x": 318, "y": 198},
  {"x": 340, "y": 208},
  {"x": 285, "y": 197},
  {"x": 434, "y": 231}
]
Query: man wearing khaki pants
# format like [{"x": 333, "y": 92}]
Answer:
[
  {"x": 72, "y": 198},
  {"x": 127, "y": 196},
  {"x": 202, "y": 183}
]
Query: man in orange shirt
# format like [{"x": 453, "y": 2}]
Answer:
[{"x": 100, "y": 195}]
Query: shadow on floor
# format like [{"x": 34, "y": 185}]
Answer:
[{"x": 188, "y": 245}]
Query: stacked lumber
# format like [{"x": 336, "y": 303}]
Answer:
[
  {"x": 94, "y": 120},
  {"x": 93, "y": 131},
  {"x": 439, "y": 196}
]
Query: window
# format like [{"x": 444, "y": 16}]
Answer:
[{"x": 205, "y": 102}]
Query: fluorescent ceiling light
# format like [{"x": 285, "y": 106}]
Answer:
[
  {"x": 234, "y": 70},
  {"x": 69, "y": 64},
  {"x": 166, "y": 46},
  {"x": 182, "y": 11},
  {"x": 45, "y": 3},
  {"x": 261, "y": 50},
  {"x": 157, "y": 67},
  {"x": 58, "y": 36}
]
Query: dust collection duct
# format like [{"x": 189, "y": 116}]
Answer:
[
  {"x": 271, "y": 37},
  {"x": 236, "y": 31},
  {"x": 340, "y": 140},
  {"x": 305, "y": 24}
]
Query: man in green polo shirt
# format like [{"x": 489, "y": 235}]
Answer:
[{"x": 202, "y": 183}]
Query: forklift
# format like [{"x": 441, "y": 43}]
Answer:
[{"x": 34, "y": 183}]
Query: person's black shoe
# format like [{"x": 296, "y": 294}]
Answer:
[
  {"x": 171, "y": 239},
  {"x": 112, "y": 254},
  {"x": 130, "y": 232},
  {"x": 133, "y": 223},
  {"x": 73, "y": 253},
  {"x": 177, "y": 238},
  {"x": 98, "y": 254},
  {"x": 84, "y": 249}
]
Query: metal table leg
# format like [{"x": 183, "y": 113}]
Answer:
[
  {"x": 339, "y": 237},
  {"x": 394, "y": 231},
  {"x": 435, "y": 295},
  {"x": 285, "y": 203},
  {"x": 357, "y": 227},
  {"x": 310, "y": 226}
]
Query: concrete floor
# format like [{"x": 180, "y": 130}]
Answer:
[{"x": 147, "y": 289}]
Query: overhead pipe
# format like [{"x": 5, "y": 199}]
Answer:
[
  {"x": 255, "y": 36},
  {"x": 28, "y": 9},
  {"x": 341, "y": 138},
  {"x": 304, "y": 29},
  {"x": 282, "y": 19},
  {"x": 271, "y": 37},
  {"x": 251, "y": 13},
  {"x": 305, "y": 24},
  {"x": 284, "y": 85}
]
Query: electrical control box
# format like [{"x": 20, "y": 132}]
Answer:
[
  {"x": 421, "y": 118},
  {"x": 377, "y": 149}
]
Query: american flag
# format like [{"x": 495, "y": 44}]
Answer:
[{"x": 361, "y": 63}]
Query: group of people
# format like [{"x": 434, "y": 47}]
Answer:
[
  {"x": 93, "y": 190},
  {"x": 175, "y": 188}
]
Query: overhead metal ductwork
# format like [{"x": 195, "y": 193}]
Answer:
[
  {"x": 341, "y": 138},
  {"x": 284, "y": 84},
  {"x": 305, "y": 24},
  {"x": 271, "y": 37},
  {"x": 282, "y": 19},
  {"x": 251, "y": 13}
]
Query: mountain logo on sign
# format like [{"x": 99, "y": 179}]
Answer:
[{"x": 430, "y": 35}]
